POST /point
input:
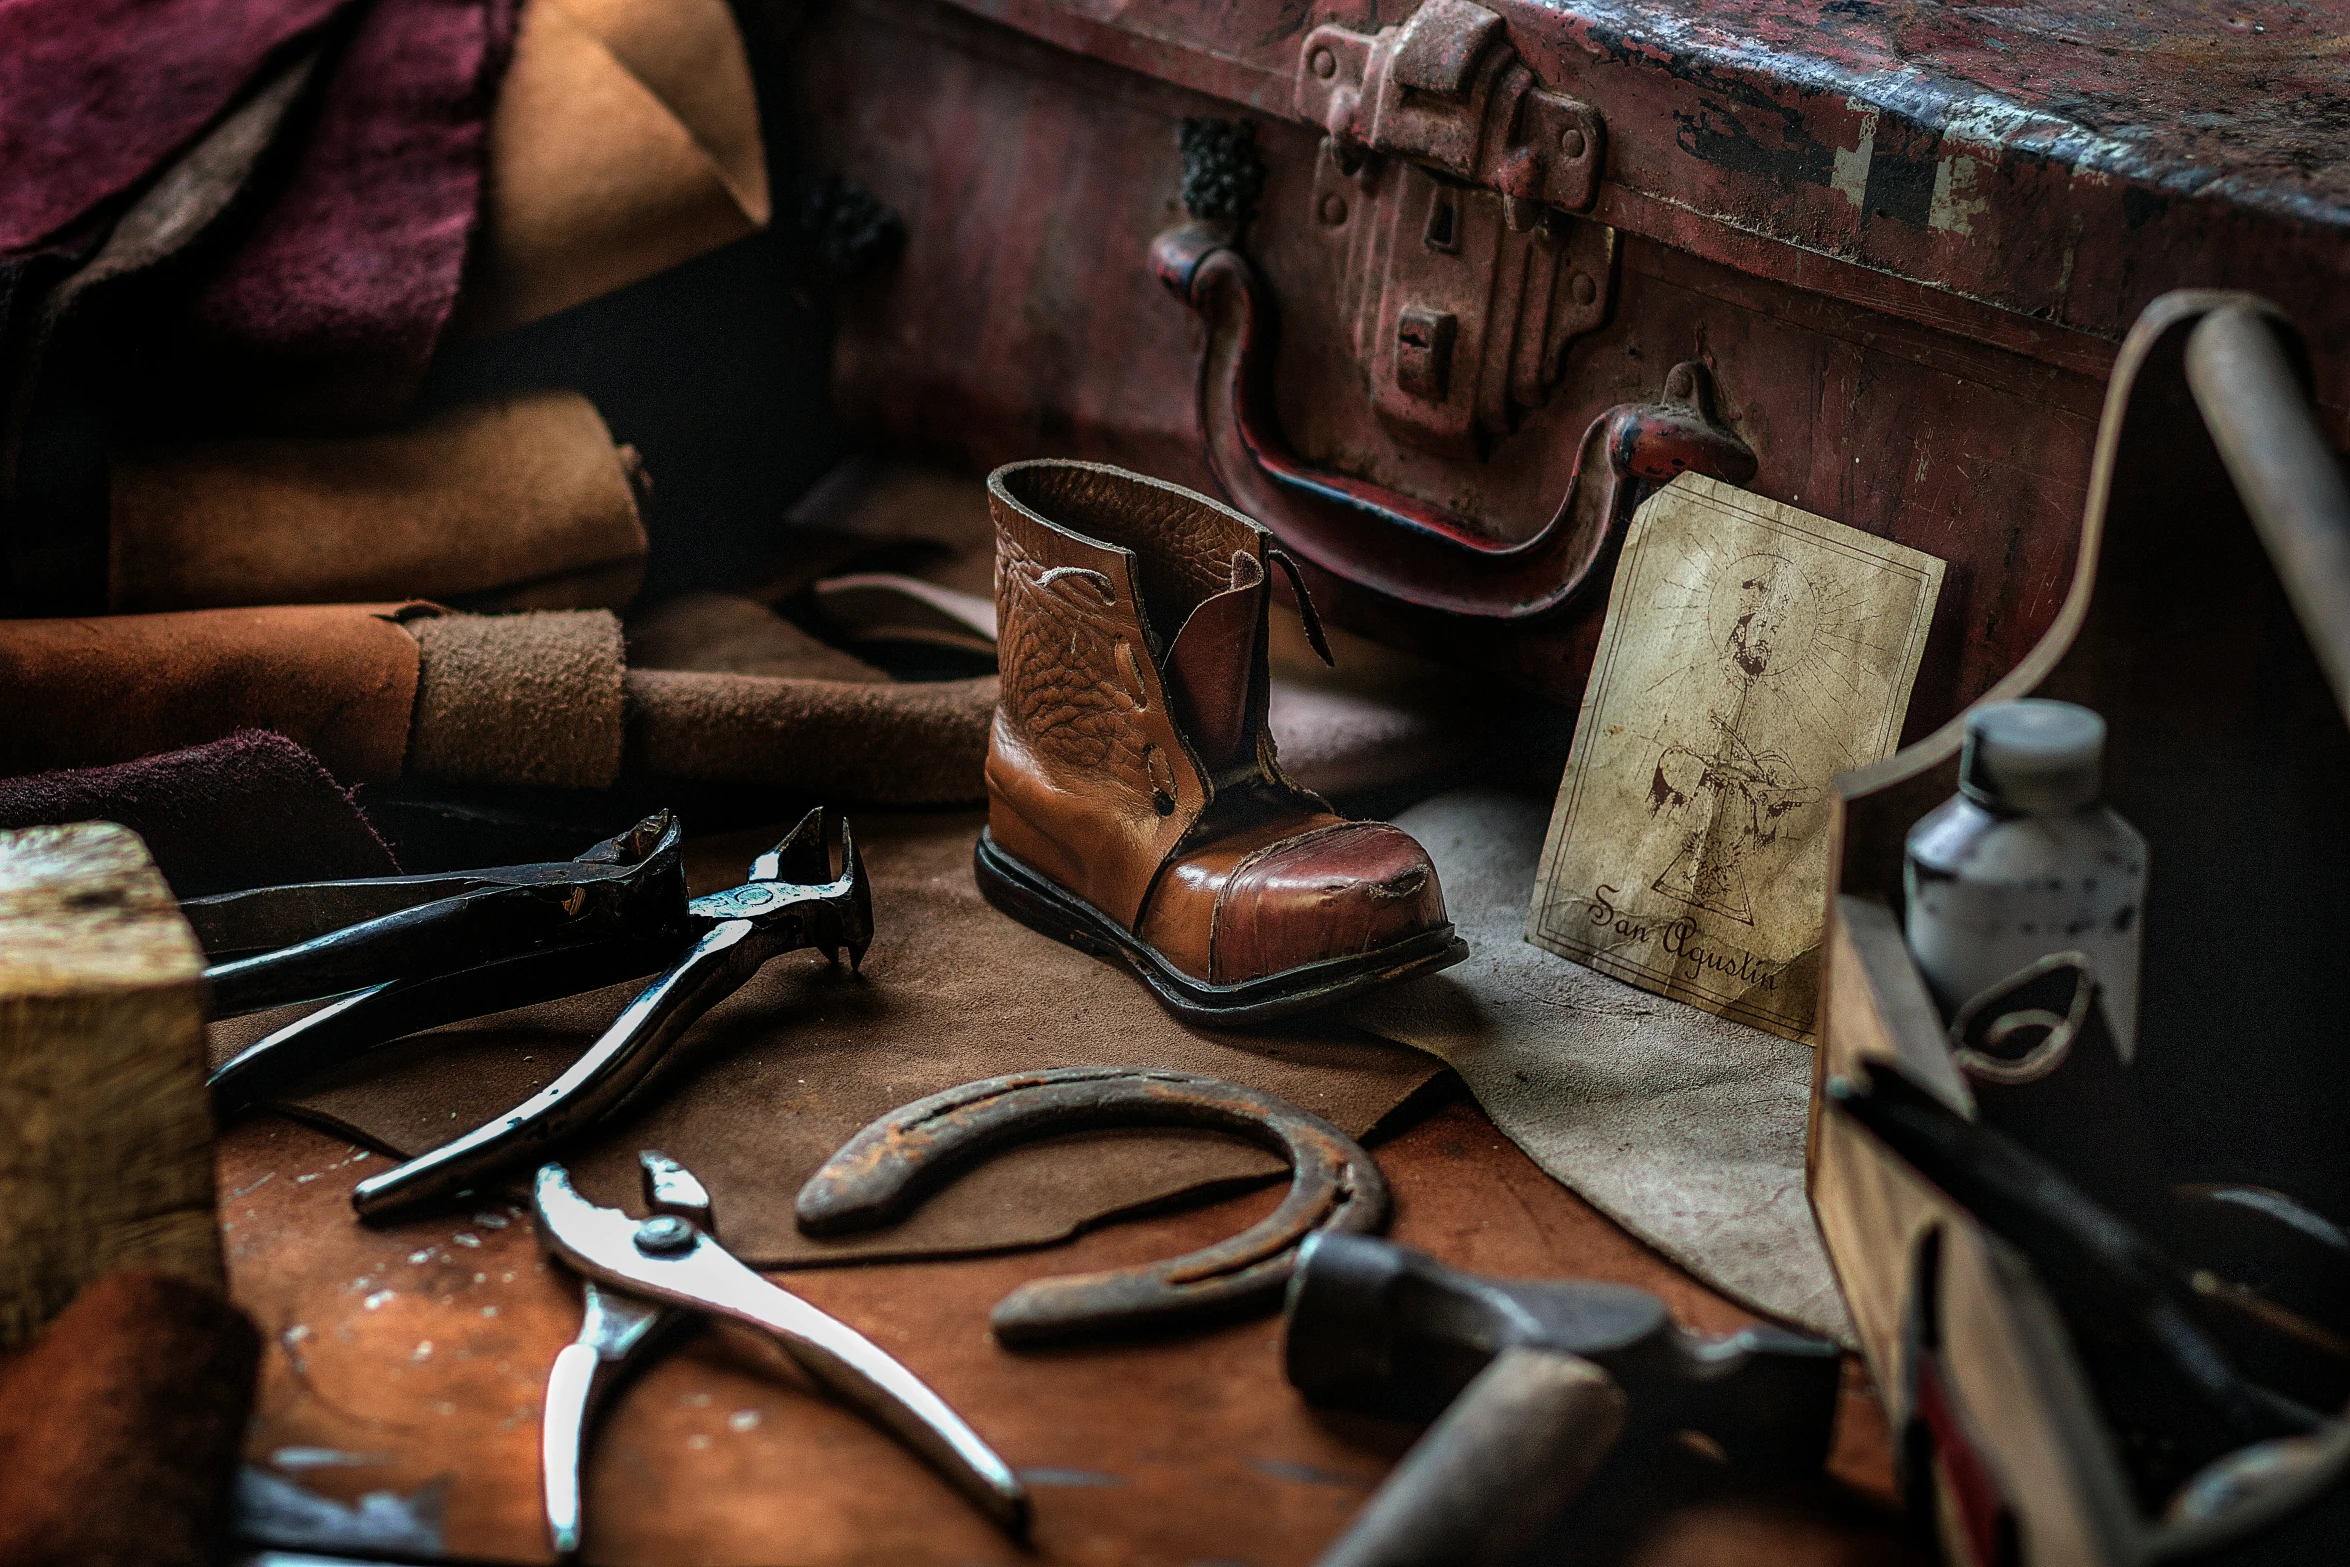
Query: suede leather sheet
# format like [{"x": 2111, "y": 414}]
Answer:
[
  {"x": 776, "y": 1078},
  {"x": 327, "y": 311},
  {"x": 1685, "y": 1128},
  {"x": 246, "y": 811},
  {"x": 85, "y": 113},
  {"x": 722, "y": 633},
  {"x": 625, "y": 141}
]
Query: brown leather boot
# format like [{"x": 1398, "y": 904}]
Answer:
[{"x": 1135, "y": 806}]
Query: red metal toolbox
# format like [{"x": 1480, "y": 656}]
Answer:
[{"x": 1509, "y": 264}]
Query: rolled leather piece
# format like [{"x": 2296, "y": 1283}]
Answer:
[
  {"x": 849, "y": 741},
  {"x": 525, "y": 497},
  {"x": 120, "y": 1427},
  {"x": 530, "y": 699},
  {"x": 625, "y": 142},
  {"x": 339, "y": 679},
  {"x": 544, "y": 699}
]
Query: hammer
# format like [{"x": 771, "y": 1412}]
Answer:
[{"x": 1531, "y": 1385}]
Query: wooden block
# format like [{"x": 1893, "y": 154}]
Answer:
[{"x": 105, "y": 1127}]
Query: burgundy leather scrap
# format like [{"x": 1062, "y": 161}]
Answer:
[
  {"x": 250, "y": 810},
  {"x": 96, "y": 94},
  {"x": 326, "y": 308}
]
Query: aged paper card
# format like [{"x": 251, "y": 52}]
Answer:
[{"x": 1751, "y": 652}]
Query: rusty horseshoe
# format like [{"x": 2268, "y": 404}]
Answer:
[{"x": 883, "y": 1171}]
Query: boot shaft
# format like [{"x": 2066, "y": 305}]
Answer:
[{"x": 1131, "y": 635}]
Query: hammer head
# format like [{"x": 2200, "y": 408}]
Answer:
[{"x": 1381, "y": 1328}]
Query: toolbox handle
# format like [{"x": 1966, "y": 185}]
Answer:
[{"x": 1402, "y": 548}]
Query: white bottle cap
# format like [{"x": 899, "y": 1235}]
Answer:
[{"x": 2033, "y": 756}]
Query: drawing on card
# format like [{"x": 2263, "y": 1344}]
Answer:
[{"x": 1751, "y": 652}]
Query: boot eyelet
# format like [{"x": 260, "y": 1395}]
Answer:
[
  {"x": 1131, "y": 673},
  {"x": 1162, "y": 776}
]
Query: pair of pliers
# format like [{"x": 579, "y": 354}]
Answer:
[
  {"x": 407, "y": 953},
  {"x": 437, "y": 949},
  {"x": 645, "y": 1280}
]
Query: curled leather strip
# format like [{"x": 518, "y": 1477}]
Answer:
[
  {"x": 886, "y": 1169},
  {"x": 1988, "y": 1026}
]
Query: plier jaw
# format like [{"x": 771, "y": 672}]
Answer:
[
  {"x": 836, "y": 910},
  {"x": 618, "y": 1333},
  {"x": 672, "y": 1265}
]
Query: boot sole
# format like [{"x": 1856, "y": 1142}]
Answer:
[{"x": 1045, "y": 907}]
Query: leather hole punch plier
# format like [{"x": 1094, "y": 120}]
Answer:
[
  {"x": 646, "y": 1279},
  {"x": 430, "y": 950}
]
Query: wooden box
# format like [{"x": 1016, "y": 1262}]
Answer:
[{"x": 2209, "y": 621}]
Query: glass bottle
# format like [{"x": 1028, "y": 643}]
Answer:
[{"x": 2027, "y": 860}]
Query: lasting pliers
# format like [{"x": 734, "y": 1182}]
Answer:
[
  {"x": 485, "y": 941},
  {"x": 646, "y": 1279}
]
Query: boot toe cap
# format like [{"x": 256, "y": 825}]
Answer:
[{"x": 1334, "y": 892}]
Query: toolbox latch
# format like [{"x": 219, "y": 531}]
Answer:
[
  {"x": 1446, "y": 90},
  {"x": 1459, "y": 322}
]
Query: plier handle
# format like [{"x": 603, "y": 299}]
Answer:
[{"x": 275, "y": 946}]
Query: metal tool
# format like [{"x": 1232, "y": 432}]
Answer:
[
  {"x": 883, "y": 1171},
  {"x": 2166, "y": 1348},
  {"x": 275, "y": 946},
  {"x": 705, "y": 950},
  {"x": 462, "y": 945},
  {"x": 647, "y": 1278},
  {"x": 2040, "y": 1059},
  {"x": 616, "y": 1338},
  {"x": 2038, "y": 1051},
  {"x": 1532, "y": 1384}
]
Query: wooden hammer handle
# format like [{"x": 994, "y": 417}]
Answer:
[{"x": 1494, "y": 1470}]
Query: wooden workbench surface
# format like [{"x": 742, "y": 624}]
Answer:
[{"x": 406, "y": 1363}]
